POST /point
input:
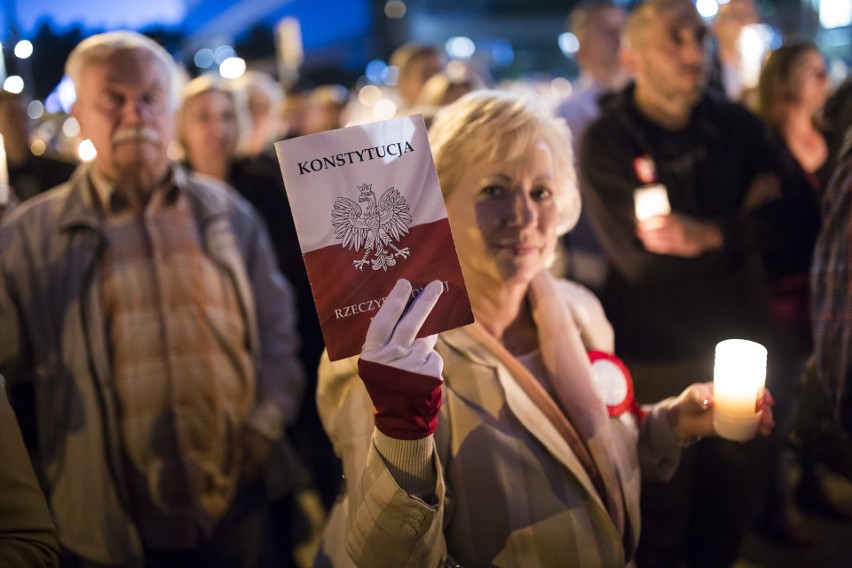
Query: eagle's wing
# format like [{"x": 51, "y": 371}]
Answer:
[
  {"x": 394, "y": 217},
  {"x": 349, "y": 224}
]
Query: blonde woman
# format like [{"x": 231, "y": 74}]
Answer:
[{"x": 490, "y": 444}]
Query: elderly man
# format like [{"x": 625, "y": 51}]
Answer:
[
  {"x": 682, "y": 282},
  {"x": 145, "y": 305}
]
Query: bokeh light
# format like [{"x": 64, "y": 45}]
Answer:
[
  {"x": 13, "y": 84},
  {"x": 23, "y": 49},
  {"x": 86, "y": 151},
  {"x": 232, "y": 68}
]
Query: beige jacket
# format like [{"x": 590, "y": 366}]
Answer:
[{"x": 510, "y": 490}]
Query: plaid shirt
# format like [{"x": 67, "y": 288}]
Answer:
[
  {"x": 51, "y": 332},
  {"x": 184, "y": 376},
  {"x": 831, "y": 282}
]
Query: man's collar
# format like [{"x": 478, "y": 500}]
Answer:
[{"x": 113, "y": 199}]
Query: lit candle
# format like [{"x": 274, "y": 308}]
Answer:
[
  {"x": 651, "y": 200},
  {"x": 4, "y": 174},
  {"x": 739, "y": 377}
]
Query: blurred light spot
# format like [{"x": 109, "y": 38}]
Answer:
[
  {"x": 838, "y": 70},
  {"x": 38, "y": 147},
  {"x": 707, "y": 8},
  {"x": 561, "y": 87},
  {"x": 204, "y": 58},
  {"x": 369, "y": 95},
  {"x": 13, "y": 84},
  {"x": 71, "y": 128},
  {"x": 395, "y": 9},
  {"x": 392, "y": 75},
  {"x": 86, "y": 151},
  {"x": 502, "y": 53},
  {"x": 753, "y": 47},
  {"x": 224, "y": 52},
  {"x": 51, "y": 103},
  {"x": 232, "y": 68},
  {"x": 835, "y": 13},
  {"x": 460, "y": 47},
  {"x": 384, "y": 109},
  {"x": 67, "y": 94},
  {"x": 46, "y": 130},
  {"x": 568, "y": 43},
  {"x": 23, "y": 49},
  {"x": 35, "y": 110},
  {"x": 376, "y": 70}
]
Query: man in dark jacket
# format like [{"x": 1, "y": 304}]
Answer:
[{"x": 682, "y": 282}]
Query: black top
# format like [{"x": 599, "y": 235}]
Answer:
[
  {"x": 38, "y": 174},
  {"x": 666, "y": 308}
]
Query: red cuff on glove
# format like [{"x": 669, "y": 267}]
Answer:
[{"x": 405, "y": 404}]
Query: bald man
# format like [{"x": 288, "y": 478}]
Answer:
[{"x": 682, "y": 282}]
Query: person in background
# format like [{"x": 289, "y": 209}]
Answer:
[
  {"x": 726, "y": 66},
  {"x": 326, "y": 109},
  {"x": 294, "y": 111},
  {"x": 29, "y": 174},
  {"x": 598, "y": 26},
  {"x": 260, "y": 102},
  {"x": 491, "y": 444},
  {"x": 27, "y": 532},
  {"x": 682, "y": 282},
  {"x": 145, "y": 306},
  {"x": 416, "y": 63},
  {"x": 442, "y": 89},
  {"x": 837, "y": 120},
  {"x": 831, "y": 282},
  {"x": 790, "y": 95},
  {"x": 208, "y": 132}
]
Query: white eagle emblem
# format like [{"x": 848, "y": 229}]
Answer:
[{"x": 378, "y": 225}]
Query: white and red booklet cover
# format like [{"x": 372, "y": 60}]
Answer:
[{"x": 368, "y": 211}]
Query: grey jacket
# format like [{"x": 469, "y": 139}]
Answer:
[{"x": 52, "y": 332}]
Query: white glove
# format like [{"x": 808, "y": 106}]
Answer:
[{"x": 402, "y": 373}]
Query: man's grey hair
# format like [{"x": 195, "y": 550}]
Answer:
[{"x": 100, "y": 47}]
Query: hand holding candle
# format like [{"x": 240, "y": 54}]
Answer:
[
  {"x": 692, "y": 414},
  {"x": 650, "y": 201},
  {"x": 739, "y": 389}
]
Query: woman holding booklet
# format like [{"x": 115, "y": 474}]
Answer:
[{"x": 514, "y": 441}]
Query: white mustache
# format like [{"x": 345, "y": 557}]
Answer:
[{"x": 141, "y": 134}]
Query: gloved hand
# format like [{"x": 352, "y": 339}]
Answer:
[{"x": 401, "y": 372}]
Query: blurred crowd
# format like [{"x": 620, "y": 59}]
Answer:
[{"x": 757, "y": 169}]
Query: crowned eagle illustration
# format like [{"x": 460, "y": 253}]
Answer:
[{"x": 375, "y": 226}]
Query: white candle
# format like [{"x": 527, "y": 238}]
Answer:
[
  {"x": 651, "y": 200},
  {"x": 4, "y": 174},
  {"x": 739, "y": 377}
]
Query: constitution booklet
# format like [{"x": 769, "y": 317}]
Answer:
[{"x": 368, "y": 211}]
